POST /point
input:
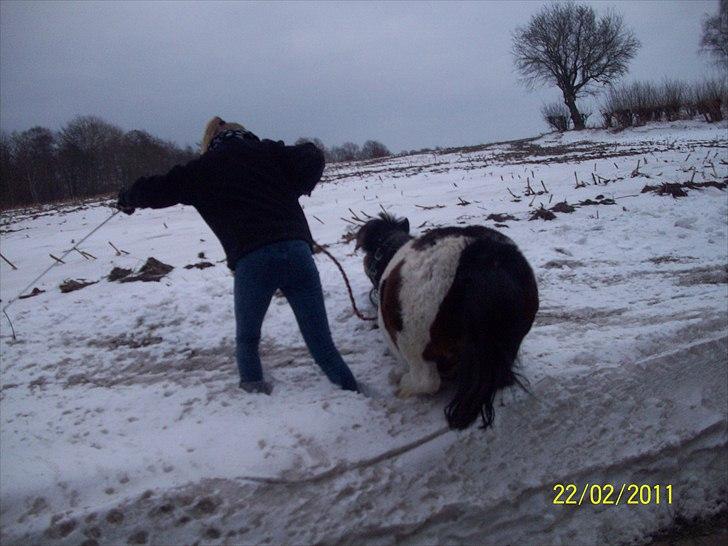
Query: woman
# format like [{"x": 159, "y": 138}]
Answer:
[{"x": 247, "y": 191}]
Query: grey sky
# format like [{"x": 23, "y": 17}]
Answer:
[{"x": 408, "y": 74}]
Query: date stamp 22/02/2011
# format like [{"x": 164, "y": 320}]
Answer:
[{"x": 634, "y": 494}]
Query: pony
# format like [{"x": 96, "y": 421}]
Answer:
[{"x": 454, "y": 304}]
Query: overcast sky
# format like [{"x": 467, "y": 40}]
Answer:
[{"x": 408, "y": 74}]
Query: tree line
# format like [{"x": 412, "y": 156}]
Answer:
[
  {"x": 91, "y": 157},
  {"x": 88, "y": 157},
  {"x": 349, "y": 151}
]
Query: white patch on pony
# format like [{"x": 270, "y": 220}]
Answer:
[{"x": 427, "y": 275}]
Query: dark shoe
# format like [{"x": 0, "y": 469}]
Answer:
[
  {"x": 261, "y": 387},
  {"x": 350, "y": 384}
]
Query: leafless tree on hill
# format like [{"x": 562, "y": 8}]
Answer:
[
  {"x": 715, "y": 35},
  {"x": 566, "y": 45}
]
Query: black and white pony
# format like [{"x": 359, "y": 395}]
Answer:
[{"x": 454, "y": 303}]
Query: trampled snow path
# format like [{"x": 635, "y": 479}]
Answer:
[{"x": 120, "y": 419}]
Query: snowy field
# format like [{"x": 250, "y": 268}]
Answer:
[{"x": 121, "y": 420}]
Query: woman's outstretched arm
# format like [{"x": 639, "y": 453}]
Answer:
[{"x": 179, "y": 185}]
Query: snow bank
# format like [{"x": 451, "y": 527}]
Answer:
[{"x": 120, "y": 418}]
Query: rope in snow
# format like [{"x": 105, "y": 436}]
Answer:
[
  {"x": 346, "y": 280},
  {"x": 75, "y": 247},
  {"x": 349, "y": 466},
  {"x": 60, "y": 260}
]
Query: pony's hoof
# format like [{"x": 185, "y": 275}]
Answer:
[{"x": 404, "y": 393}]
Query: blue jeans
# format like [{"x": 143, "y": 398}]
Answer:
[{"x": 287, "y": 265}]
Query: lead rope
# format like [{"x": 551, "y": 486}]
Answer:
[
  {"x": 346, "y": 280},
  {"x": 66, "y": 253},
  {"x": 75, "y": 246}
]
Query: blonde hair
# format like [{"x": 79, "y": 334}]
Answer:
[{"x": 213, "y": 128}]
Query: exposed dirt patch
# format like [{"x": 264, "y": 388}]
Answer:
[
  {"x": 547, "y": 317},
  {"x": 115, "y": 517},
  {"x": 563, "y": 207},
  {"x": 501, "y": 217},
  {"x": 671, "y": 259},
  {"x": 6, "y": 231},
  {"x": 139, "y": 537},
  {"x": 542, "y": 214},
  {"x": 52, "y": 209},
  {"x": 32, "y": 293},
  {"x": 71, "y": 285},
  {"x": 152, "y": 270},
  {"x": 118, "y": 273},
  {"x": 676, "y": 189},
  {"x": 199, "y": 265},
  {"x": 204, "y": 507},
  {"x": 61, "y": 529},
  {"x": 524, "y": 153},
  {"x": 125, "y": 340},
  {"x": 598, "y": 200},
  {"x": 561, "y": 264},
  {"x": 704, "y": 275}
]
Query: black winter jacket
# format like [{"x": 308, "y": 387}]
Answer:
[{"x": 246, "y": 190}]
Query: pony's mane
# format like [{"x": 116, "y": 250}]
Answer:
[{"x": 390, "y": 219}]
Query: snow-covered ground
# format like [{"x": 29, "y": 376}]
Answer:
[{"x": 121, "y": 420}]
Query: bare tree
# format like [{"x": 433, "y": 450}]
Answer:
[
  {"x": 715, "y": 35},
  {"x": 708, "y": 96},
  {"x": 141, "y": 154},
  {"x": 373, "y": 149},
  {"x": 34, "y": 152},
  {"x": 8, "y": 189},
  {"x": 88, "y": 149},
  {"x": 348, "y": 151},
  {"x": 567, "y": 46},
  {"x": 672, "y": 97},
  {"x": 556, "y": 115}
]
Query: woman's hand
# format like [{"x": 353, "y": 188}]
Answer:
[{"x": 123, "y": 203}]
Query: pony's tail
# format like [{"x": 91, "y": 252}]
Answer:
[{"x": 497, "y": 312}]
